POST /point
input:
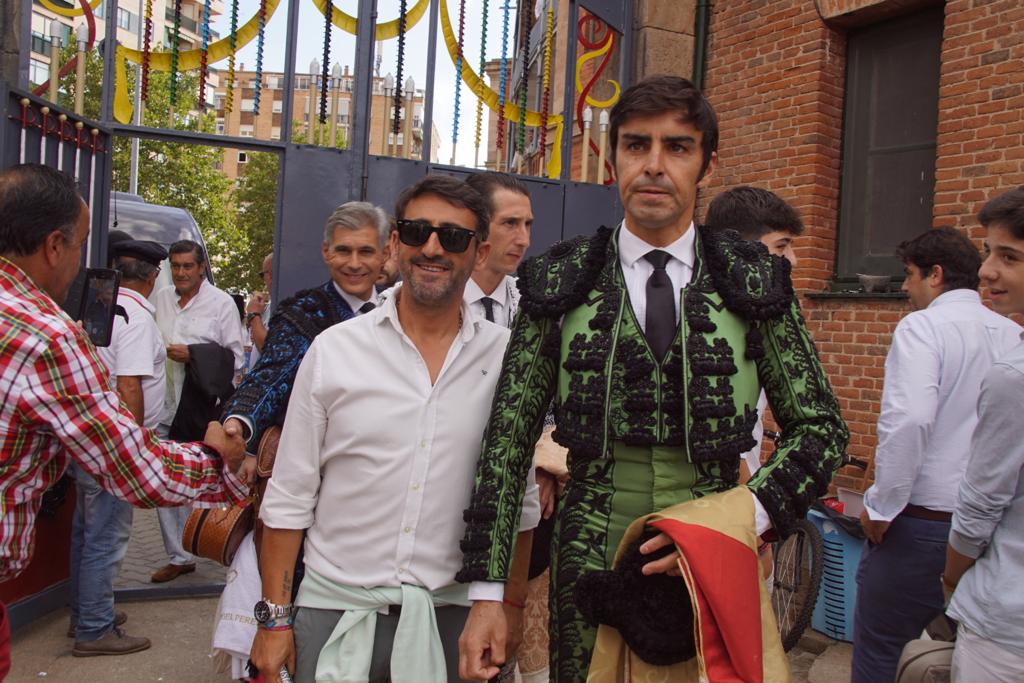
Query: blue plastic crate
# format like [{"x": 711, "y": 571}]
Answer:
[{"x": 833, "y": 612}]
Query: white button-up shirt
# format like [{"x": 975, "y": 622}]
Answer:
[
  {"x": 933, "y": 374},
  {"x": 355, "y": 303},
  {"x": 210, "y": 316},
  {"x": 637, "y": 270},
  {"x": 505, "y": 297},
  {"x": 375, "y": 461},
  {"x": 137, "y": 350}
]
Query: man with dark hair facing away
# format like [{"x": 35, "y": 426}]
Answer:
[
  {"x": 933, "y": 371},
  {"x": 57, "y": 404},
  {"x": 654, "y": 339},
  {"x": 985, "y": 557}
]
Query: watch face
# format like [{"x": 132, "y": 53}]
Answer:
[{"x": 261, "y": 612}]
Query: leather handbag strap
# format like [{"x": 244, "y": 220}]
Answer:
[{"x": 266, "y": 452}]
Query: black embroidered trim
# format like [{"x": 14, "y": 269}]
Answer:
[
  {"x": 751, "y": 282},
  {"x": 560, "y": 280}
]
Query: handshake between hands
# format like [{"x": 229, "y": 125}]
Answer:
[{"x": 229, "y": 442}]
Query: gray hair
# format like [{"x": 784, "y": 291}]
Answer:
[
  {"x": 133, "y": 269},
  {"x": 356, "y": 216}
]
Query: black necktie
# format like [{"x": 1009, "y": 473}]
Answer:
[
  {"x": 660, "y": 321},
  {"x": 367, "y": 307},
  {"x": 488, "y": 303}
]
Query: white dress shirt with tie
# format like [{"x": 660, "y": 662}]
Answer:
[
  {"x": 378, "y": 463},
  {"x": 504, "y": 300},
  {"x": 933, "y": 374},
  {"x": 637, "y": 270},
  {"x": 355, "y": 303}
]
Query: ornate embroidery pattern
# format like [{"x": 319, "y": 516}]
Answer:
[
  {"x": 263, "y": 394},
  {"x": 521, "y": 399}
]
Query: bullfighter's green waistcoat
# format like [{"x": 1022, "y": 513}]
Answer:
[{"x": 644, "y": 433}]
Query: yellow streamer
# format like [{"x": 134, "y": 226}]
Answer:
[
  {"x": 586, "y": 57},
  {"x": 187, "y": 60},
  {"x": 385, "y": 31},
  {"x": 68, "y": 11},
  {"x": 490, "y": 97}
]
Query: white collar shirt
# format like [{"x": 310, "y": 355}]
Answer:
[
  {"x": 354, "y": 302},
  {"x": 933, "y": 374},
  {"x": 637, "y": 270},
  {"x": 504, "y": 298},
  {"x": 378, "y": 463},
  {"x": 211, "y": 316},
  {"x": 137, "y": 350}
]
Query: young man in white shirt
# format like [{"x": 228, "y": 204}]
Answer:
[
  {"x": 985, "y": 557},
  {"x": 386, "y": 415},
  {"x": 102, "y": 524},
  {"x": 491, "y": 293},
  {"x": 191, "y": 311},
  {"x": 933, "y": 374}
]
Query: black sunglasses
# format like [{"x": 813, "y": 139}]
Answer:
[{"x": 416, "y": 234}]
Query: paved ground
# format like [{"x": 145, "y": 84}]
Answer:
[
  {"x": 180, "y": 628},
  {"x": 146, "y": 554}
]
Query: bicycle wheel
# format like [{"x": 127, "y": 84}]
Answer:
[{"x": 797, "y": 562}]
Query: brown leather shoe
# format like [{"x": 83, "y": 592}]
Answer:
[
  {"x": 116, "y": 642},
  {"x": 171, "y": 572},
  {"x": 119, "y": 619}
]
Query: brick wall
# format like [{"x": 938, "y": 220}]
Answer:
[{"x": 776, "y": 73}]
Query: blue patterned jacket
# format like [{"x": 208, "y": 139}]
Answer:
[{"x": 262, "y": 397}]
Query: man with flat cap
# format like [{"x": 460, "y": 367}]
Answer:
[{"x": 135, "y": 358}]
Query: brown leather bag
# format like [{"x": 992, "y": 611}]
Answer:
[{"x": 216, "y": 533}]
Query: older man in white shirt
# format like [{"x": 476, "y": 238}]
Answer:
[
  {"x": 933, "y": 373},
  {"x": 191, "y": 311},
  {"x": 386, "y": 415}
]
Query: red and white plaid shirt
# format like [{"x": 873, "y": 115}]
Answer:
[{"x": 57, "y": 404}]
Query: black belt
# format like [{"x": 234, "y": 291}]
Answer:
[{"x": 921, "y": 512}]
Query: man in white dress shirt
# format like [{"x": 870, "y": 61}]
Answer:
[
  {"x": 933, "y": 373},
  {"x": 386, "y": 415},
  {"x": 191, "y": 311},
  {"x": 491, "y": 293}
]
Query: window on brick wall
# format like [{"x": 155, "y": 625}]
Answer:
[{"x": 890, "y": 121}]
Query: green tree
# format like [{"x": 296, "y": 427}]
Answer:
[
  {"x": 177, "y": 174},
  {"x": 256, "y": 199}
]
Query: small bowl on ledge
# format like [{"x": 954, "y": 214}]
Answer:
[{"x": 874, "y": 283}]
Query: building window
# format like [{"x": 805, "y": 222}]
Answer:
[
  {"x": 220, "y": 127},
  {"x": 127, "y": 20},
  {"x": 38, "y": 72},
  {"x": 248, "y": 105},
  {"x": 277, "y": 106},
  {"x": 889, "y": 141},
  {"x": 245, "y": 131},
  {"x": 275, "y": 133},
  {"x": 243, "y": 157}
]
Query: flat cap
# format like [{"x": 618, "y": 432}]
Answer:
[{"x": 144, "y": 250}]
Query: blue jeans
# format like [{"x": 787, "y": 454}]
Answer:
[
  {"x": 899, "y": 592},
  {"x": 99, "y": 538}
]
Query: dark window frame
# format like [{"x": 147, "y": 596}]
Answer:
[{"x": 869, "y": 226}]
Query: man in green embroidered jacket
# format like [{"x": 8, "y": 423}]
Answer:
[{"x": 654, "y": 339}]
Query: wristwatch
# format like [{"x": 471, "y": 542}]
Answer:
[
  {"x": 267, "y": 613},
  {"x": 249, "y": 317}
]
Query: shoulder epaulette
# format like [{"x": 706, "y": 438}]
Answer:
[
  {"x": 752, "y": 282},
  {"x": 561, "y": 278}
]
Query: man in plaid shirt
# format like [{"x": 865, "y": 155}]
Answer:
[{"x": 56, "y": 400}]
